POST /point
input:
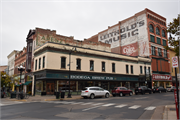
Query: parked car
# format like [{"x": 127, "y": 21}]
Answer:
[
  {"x": 121, "y": 91},
  {"x": 93, "y": 92},
  {"x": 2, "y": 94},
  {"x": 159, "y": 89},
  {"x": 170, "y": 89},
  {"x": 143, "y": 90}
]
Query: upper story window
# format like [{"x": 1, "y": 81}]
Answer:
[
  {"x": 144, "y": 69},
  {"x": 163, "y": 33},
  {"x": 152, "y": 38},
  {"x": 103, "y": 66},
  {"x": 127, "y": 68},
  {"x": 78, "y": 64},
  {"x": 36, "y": 65},
  {"x": 159, "y": 52},
  {"x": 43, "y": 61},
  {"x": 131, "y": 69},
  {"x": 140, "y": 69},
  {"x": 165, "y": 53},
  {"x": 153, "y": 50},
  {"x": 113, "y": 67},
  {"x": 39, "y": 63},
  {"x": 149, "y": 70},
  {"x": 164, "y": 42},
  {"x": 151, "y": 28},
  {"x": 158, "y": 40},
  {"x": 157, "y": 31},
  {"x": 91, "y": 65},
  {"x": 63, "y": 62}
]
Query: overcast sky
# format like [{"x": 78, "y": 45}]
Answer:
[{"x": 81, "y": 18}]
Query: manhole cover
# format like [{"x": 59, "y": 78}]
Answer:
[{"x": 173, "y": 109}]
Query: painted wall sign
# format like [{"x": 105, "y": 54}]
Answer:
[
  {"x": 143, "y": 48},
  {"x": 161, "y": 77},
  {"x": 131, "y": 50}
]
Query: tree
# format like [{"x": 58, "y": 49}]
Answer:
[
  {"x": 174, "y": 32},
  {"x": 5, "y": 80}
]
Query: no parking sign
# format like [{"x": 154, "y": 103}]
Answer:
[{"x": 174, "y": 61}]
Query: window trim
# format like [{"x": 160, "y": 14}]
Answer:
[{"x": 151, "y": 29}]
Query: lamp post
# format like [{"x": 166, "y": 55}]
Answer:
[
  {"x": 74, "y": 48},
  {"x": 21, "y": 69},
  {"x": 4, "y": 76}
]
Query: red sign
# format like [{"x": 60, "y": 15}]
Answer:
[
  {"x": 131, "y": 49},
  {"x": 174, "y": 61},
  {"x": 175, "y": 97},
  {"x": 161, "y": 77}
]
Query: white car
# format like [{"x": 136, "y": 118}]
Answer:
[
  {"x": 171, "y": 88},
  {"x": 93, "y": 92}
]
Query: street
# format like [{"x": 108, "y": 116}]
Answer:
[{"x": 126, "y": 107}]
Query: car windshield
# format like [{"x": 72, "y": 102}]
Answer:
[{"x": 84, "y": 89}]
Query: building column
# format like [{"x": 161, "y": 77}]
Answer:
[
  {"x": 121, "y": 84},
  {"x": 57, "y": 85},
  {"x": 76, "y": 85},
  {"x": 158, "y": 84},
  {"x": 164, "y": 84}
]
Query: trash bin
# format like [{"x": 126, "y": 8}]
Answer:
[
  {"x": 62, "y": 94},
  {"x": 21, "y": 95},
  {"x": 57, "y": 95}
]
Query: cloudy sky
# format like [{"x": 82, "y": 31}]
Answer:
[{"x": 80, "y": 18}]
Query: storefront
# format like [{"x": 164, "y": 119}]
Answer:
[
  {"x": 161, "y": 80},
  {"x": 49, "y": 82}
]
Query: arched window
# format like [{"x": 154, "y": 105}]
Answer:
[
  {"x": 157, "y": 31},
  {"x": 163, "y": 33},
  {"x": 151, "y": 28}
]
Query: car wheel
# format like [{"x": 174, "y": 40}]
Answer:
[
  {"x": 85, "y": 97},
  {"x": 130, "y": 94},
  {"x": 120, "y": 94},
  {"x": 160, "y": 91},
  {"x": 92, "y": 96},
  {"x": 107, "y": 95}
]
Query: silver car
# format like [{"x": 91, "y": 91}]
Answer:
[
  {"x": 171, "y": 88},
  {"x": 93, "y": 92}
]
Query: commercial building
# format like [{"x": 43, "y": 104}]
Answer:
[{"x": 143, "y": 34}]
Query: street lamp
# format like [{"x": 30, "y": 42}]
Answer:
[
  {"x": 74, "y": 48},
  {"x": 4, "y": 76},
  {"x": 21, "y": 69}
]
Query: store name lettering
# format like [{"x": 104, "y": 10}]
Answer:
[{"x": 90, "y": 77}]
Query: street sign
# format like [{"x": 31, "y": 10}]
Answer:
[{"x": 174, "y": 61}]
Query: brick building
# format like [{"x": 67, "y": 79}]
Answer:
[{"x": 143, "y": 34}]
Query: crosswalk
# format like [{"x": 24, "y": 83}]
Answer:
[{"x": 94, "y": 105}]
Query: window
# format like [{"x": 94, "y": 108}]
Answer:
[
  {"x": 141, "y": 69},
  {"x": 165, "y": 53},
  {"x": 157, "y": 31},
  {"x": 63, "y": 62},
  {"x": 163, "y": 33},
  {"x": 113, "y": 67},
  {"x": 144, "y": 69},
  {"x": 151, "y": 28},
  {"x": 103, "y": 66},
  {"x": 127, "y": 69},
  {"x": 152, "y": 38},
  {"x": 43, "y": 61},
  {"x": 164, "y": 42},
  {"x": 158, "y": 40},
  {"x": 91, "y": 65},
  {"x": 131, "y": 69},
  {"x": 159, "y": 52},
  {"x": 39, "y": 63},
  {"x": 30, "y": 47},
  {"x": 36, "y": 65},
  {"x": 153, "y": 50},
  {"x": 149, "y": 70},
  {"x": 78, "y": 64}
]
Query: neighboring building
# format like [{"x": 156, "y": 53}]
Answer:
[
  {"x": 3, "y": 68},
  {"x": 172, "y": 54},
  {"x": 11, "y": 62},
  {"x": 143, "y": 34},
  {"x": 88, "y": 67},
  {"x": 20, "y": 59}
]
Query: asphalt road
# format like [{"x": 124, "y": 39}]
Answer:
[{"x": 126, "y": 107}]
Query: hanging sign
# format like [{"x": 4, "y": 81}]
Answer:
[{"x": 174, "y": 61}]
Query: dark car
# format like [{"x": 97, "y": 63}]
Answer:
[
  {"x": 159, "y": 89},
  {"x": 121, "y": 91},
  {"x": 142, "y": 90},
  {"x": 2, "y": 94}
]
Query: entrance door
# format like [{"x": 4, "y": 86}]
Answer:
[{"x": 50, "y": 88}]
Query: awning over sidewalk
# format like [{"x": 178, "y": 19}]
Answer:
[{"x": 27, "y": 83}]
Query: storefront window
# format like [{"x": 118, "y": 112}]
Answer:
[{"x": 39, "y": 85}]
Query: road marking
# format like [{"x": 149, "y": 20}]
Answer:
[
  {"x": 120, "y": 106},
  {"x": 108, "y": 104},
  {"x": 2, "y": 104},
  {"x": 134, "y": 107},
  {"x": 150, "y": 108},
  {"x": 141, "y": 98},
  {"x": 87, "y": 103},
  {"x": 97, "y": 104},
  {"x": 78, "y": 103},
  {"x": 91, "y": 108}
]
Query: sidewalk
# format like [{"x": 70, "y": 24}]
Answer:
[{"x": 170, "y": 113}]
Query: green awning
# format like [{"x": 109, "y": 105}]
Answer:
[{"x": 27, "y": 83}]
